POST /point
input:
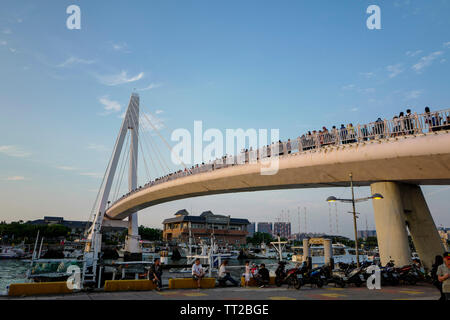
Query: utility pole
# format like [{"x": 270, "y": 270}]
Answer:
[
  {"x": 329, "y": 219},
  {"x": 354, "y": 221},
  {"x": 337, "y": 224}
]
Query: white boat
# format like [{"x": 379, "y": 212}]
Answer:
[
  {"x": 10, "y": 252},
  {"x": 72, "y": 252}
]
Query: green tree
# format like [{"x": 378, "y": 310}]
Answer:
[
  {"x": 150, "y": 234},
  {"x": 260, "y": 237}
]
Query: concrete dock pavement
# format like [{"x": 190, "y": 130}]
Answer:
[{"x": 417, "y": 292}]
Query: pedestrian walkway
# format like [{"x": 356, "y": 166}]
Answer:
[{"x": 419, "y": 292}]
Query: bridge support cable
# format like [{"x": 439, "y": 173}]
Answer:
[
  {"x": 164, "y": 140},
  {"x": 158, "y": 154},
  {"x": 122, "y": 165},
  {"x": 167, "y": 144}
]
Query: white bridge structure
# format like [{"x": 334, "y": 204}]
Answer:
[{"x": 393, "y": 157}]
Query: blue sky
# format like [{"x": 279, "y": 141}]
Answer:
[{"x": 292, "y": 65}]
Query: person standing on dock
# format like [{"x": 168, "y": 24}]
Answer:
[
  {"x": 197, "y": 272},
  {"x": 443, "y": 273},
  {"x": 247, "y": 273},
  {"x": 156, "y": 273}
]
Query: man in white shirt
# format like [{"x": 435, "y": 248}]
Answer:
[
  {"x": 197, "y": 272},
  {"x": 225, "y": 276}
]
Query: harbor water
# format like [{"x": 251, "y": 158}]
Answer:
[{"x": 14, "y": 271}]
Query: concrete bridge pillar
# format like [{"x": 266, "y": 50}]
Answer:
[
  {"x": 421, "y": 225},
  {"x": 305, "y": 249},
  {"x": 390, "y": 224},
  {"x": 404, "y": 206}
]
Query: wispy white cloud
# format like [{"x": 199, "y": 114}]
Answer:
[
  {"x": 413, "y": 53},
  {"x": 6, "y": 31},
  {"x": 367, "y": 90},
  {"x": 159, "y": 111},
  {"x": 109, "y": 106},
  {"x": 13, "y": 50},
  {"x": 426, "y": 61},
  {"x": 66, "y": 168},
  {"x": 14, "y": 151},
  {"x": 15, "y": 178},
  {"x": 92, "y": 174},
  {"x": 97, "y": 147},
  {"x": 399, "y": 3},
  {"x": 3, "y": 43},
  {"x": 348, "y": 87},
  {"x": 74, "y": 60},
  {"x": 446, "y": 44},
  {"x": 414, "y": 94},
  {"x": 122, "y": 47},
  {"x": 394, "y": 70},
  {"x": 368, "y": 75},
  {"x": 150, "y": 86},
  {"x": 120, "y": 78}
]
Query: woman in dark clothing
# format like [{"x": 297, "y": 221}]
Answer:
[{"x": 437, "y": 262}]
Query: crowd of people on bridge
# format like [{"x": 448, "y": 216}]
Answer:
[{"x": 403, "y": 124}]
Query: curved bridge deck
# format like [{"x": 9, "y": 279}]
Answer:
[{"x": 417, "y": 158}]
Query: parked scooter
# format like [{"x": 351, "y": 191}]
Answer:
[
  {"x": 408, "y": 274},
  {"x": 348, "y": 274},
  {"x": 313, "y": 277},
  {"x": 289, "y": 277},
  {"x": 389, "y": 276}
]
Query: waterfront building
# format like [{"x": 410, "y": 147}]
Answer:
[
  {"x": 251, "y": 229},
  {"x": 226, "y": 230},
  {"x": 265, "y": 227},
  {"x": 76, "y": 227}
]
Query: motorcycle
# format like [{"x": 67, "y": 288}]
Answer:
[
  {"x": 348, "y": 274},
  {"x": 408, "y": 274},
  {"x": 389, "y": 276},
  {"x": 289, "y": 277},
  {"x": 313, "y": 277}
]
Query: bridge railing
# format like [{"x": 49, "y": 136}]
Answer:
[{"x": 380, "y": 129}]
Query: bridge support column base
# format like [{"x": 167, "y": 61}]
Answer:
[
  {"x": 390, "y": 224},
  {"x": 404, "y": 206},
  {"x": 132, "y": 240},
  {"x": 421, "y": 225}
]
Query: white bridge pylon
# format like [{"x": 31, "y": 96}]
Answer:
[{"x": 94, "y": 240}]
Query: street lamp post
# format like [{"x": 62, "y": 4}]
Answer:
[
  {"x": 375, "y": 196},
  {"x": 355, "y": 227}
]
